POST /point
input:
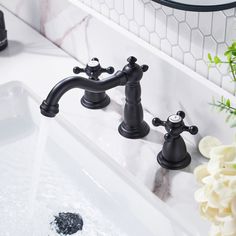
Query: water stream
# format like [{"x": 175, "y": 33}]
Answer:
[
  {"x": 34, "y": 189},
  {"x": 37, "y": 163}
]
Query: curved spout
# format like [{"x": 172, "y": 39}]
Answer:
[{"x": 50, "y": 106}]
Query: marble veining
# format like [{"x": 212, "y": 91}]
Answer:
[
  {"x": 162, "y": 185},
  {"x": 185, "y": 36},
  {"x": 161, "y": 96},
  {"x": 67, "y": 33},
  {"x": 45, "y": 10}
]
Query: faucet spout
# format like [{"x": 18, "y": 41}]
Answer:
[
  {"x": 50, "y": 106},
  {"x": 133, "y": 125}
]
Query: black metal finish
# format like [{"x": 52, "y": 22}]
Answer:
[
  {"x": 133, "y": 125},
  {"x": 50, "y": 106},
  {"x": 174, "y": 154},
  {"x": 197, "y": 8},
  {"x": 94, "y": 100},
  {"x": 3, "y": 32}
]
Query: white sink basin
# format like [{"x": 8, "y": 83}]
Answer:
[{"x": 76, "y": 176}]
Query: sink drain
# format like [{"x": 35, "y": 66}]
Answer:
[{"x": 67, "y": 223}]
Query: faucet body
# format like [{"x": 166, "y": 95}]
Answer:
[
  {"x": 133, "y": 125},
  {"x": 3, "y": 32},
  {"x": 174, "y": 153}
]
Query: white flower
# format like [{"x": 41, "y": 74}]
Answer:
[{"x": 217, "y": 195}]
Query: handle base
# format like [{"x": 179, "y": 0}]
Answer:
[
  {"x": 92, "y": 100},
  {"x": 3, "y": 44},
  {"x": 134, "y": 132},
  {"x": 173, "y": 165}
]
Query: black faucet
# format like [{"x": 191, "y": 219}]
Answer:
[
  {"x": 3, "y": 32},
  {"x": 133, "y": 125},
  {"x": 174, "y": 154}
]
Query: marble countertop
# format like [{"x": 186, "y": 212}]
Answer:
[{"x": 39, "y": 64}]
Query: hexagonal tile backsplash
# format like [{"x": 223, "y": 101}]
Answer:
[{"x": 186, "y": 36}]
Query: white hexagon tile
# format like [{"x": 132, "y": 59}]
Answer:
[{"x": 186, "y": 36}]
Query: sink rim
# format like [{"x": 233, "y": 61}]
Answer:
[{"x": 149, "y": 198}]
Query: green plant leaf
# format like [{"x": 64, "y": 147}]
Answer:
[
  {"x": 228, "y": 103},
  {"x": 210, "y": 57},
  {"x": 223, "y": 104},
  {"x": 228, "y": 52},
  {"x": 234, "y": 52},
  {"x": 233, "y": 45},
  {"x": 217, "y": 60}
]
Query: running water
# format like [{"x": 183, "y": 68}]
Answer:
[
  {"x": 29, "y": 206},
  {"x": 38, "y": 160}
]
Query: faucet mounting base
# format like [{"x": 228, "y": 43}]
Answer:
[
  {"x": 134, "y": 132},
  {"x": 95, "y": 100},
  {"x": 3, "y": 46},
  {"x": 173, "y": 165}
]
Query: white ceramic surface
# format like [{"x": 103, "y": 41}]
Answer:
[
  {"x": 32, "y": 59},
  {"x": 185, "y": 36},
  {"x": 73, "y": 177}
]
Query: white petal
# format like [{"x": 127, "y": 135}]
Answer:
[
  {"x": 233, "y": 206},
  {"x": 201, "y": 172},
  {"x": 206, "y": 144},
  {"x": 229, "y": 227},
  {"x": 200, "y": 195}
]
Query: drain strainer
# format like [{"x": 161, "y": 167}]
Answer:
[{"x": 67, "y": 223}]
